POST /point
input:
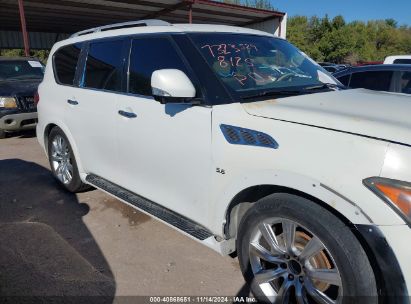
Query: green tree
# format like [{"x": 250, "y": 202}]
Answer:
[
  {"x": 337, "y": 41},
  {"x": 263, "y": 4},
  {"x": 391, "y": 22},
  {"x": 42, "y": 55},
  {"x": 336, "y": 45},
  {"x": 298, "y": 31},
  {"x": 338, "y": 22}
]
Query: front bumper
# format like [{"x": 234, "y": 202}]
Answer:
[
  {"x": 18, "y": 121},
  {"x": 388, "y": 250}
]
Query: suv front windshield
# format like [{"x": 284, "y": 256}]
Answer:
[
  {"x": 251, "y": 64},
  {"x": 21, "y": 69}
]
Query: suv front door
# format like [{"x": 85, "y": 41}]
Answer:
[{"x": 164, "y": 149}]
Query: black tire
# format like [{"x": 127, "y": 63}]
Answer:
[
  {"x": 75, "y": 184},
  {"x": 2, "y": 134},
  {"x": 348, "y": 257}
]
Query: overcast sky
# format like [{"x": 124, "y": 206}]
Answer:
[{"x": 364, "y": 10}]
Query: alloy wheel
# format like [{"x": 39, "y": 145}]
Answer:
[
  {"x": 292, "y": 265},
  {"x": 61, "y": 159}
]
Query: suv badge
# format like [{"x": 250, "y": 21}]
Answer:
[{"x": 221, "y": 171}]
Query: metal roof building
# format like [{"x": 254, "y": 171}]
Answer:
[{"x": 43, "y": 22}]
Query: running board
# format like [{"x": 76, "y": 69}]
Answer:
[{"x": 180, "y": 222}]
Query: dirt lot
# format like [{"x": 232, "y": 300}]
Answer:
[{"x": 55, "y": 243}]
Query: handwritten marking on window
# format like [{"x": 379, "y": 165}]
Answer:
[
  {"x": 259, "y": 79},
  {"x": 225, "y": 49},
  {"x": 229, "y": 55},
  {"x": 234, "y": 61}
]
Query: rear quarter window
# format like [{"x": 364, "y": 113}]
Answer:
[{"x": 65, "y": 63}]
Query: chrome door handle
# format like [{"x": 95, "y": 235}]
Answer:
[
  {"x": 72, "y": 102},
  {"x": 127, "y": 114}
]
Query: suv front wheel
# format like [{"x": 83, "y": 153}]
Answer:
[
  {"x": 63, "y": 163},
  {"x": 292, "y": 250}
]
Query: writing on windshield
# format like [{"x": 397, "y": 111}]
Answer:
[
  {"x": 247, "y": 62},
  {"x": 234, "y": 56}
]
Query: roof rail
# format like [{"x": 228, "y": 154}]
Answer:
[{"x": 147, "y": 22}]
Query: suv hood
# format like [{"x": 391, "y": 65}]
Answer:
[
  {"x": 24, "y": 87},
  {"x": 380, "y": 115}
]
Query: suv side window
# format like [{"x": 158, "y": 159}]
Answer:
[
  {"x": 345, "y": 79},
  {"x": 148, "y": 55},
  {"x": 405, "y": 82},
  {"x": 373, "y": 80},
  {"x": 65, "y": 63},
  {"x": 104, "y": 65}
]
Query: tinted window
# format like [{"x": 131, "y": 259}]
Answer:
[
  {"x": 402, "y": 61},
  {"x": 21, "y": 69},
  {"x": 148, "y": 55},
  {"x": 405, "y": 84},
  {"x": 374, "y": 80},
  {"x": 65, "y": 61},
  {"x": 104, "y": 65},
  {"x": 344, "y": 79}
]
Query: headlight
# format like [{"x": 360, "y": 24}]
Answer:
[
  {"x": 397, "y": 194},
  {"x": 8, "y": 102}
]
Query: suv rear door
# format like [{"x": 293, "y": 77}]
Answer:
[
  {"x": 91, "y": 110},
  {"x": 164, "y": 150}
]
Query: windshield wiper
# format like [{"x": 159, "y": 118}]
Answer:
[
  {"x": 324, "y": 86},
  {"x": 273, "y": 93},
  {"x": 305, "y": 90}
]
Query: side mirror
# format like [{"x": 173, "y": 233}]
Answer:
[{"x": 172, "y": 86}]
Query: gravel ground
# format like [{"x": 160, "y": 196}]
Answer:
[{"x": 54, "y": 243}]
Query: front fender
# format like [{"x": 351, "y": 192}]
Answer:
[{"x": 325, "y": 193}]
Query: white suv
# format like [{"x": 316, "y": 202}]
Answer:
[{"x": 243, "y": 143}]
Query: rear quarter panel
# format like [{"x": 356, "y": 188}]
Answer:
[{"x": 52, "y": 107}]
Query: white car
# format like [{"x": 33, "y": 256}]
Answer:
[
  {"x": 399, "y": 59},
  {"x": 240, "y": 141}
]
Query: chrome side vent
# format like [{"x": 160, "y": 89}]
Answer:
[{"x": 241, "y": 136}]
